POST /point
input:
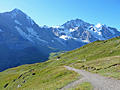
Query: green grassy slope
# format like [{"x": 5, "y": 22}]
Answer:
[
  {"x": 39, "y": 76},
  {"x": 102, "y": 57},
  {"x": 83, "y": 86}
]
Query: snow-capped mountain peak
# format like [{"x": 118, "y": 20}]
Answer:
[
  {"x": 55, "y": 26},
  {"x": 75, "y": 23},
  {"x": 18, "y": 14},
  {"x": 16, "y": 10},
  {"x": 98, "y": 25},
  {"x": 82, "y": 31}
]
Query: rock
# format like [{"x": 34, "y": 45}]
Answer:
[
  {"x": 14, "y": 80},
  {"x": 58, "y": 57},
  {"x": 6, "y": 85},
  {"x": 20, "y": 76},
  {"x": 23, "y": 78},
  {"x": 19, "y": 86},
  {"x": 24, "y": 81},
  {"x": 33, "y": 73},
  {"x": 99, "y": 69}
]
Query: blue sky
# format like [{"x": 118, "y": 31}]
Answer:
[{"x": 57, "y": 12}]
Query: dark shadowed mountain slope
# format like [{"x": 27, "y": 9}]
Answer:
[{"x": 19, "y": 40}]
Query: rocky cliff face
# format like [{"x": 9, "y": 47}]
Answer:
[{"x": 22, "y": 41}]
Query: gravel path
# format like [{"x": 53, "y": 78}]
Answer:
[{"x": 98, "y": 82}]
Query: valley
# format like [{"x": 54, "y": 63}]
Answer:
[{"x": 100, "y": 58}]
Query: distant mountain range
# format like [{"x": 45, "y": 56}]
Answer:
[{"x": 22, "y": 41}]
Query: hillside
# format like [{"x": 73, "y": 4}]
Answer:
[{"x": 101, "y": 57}]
